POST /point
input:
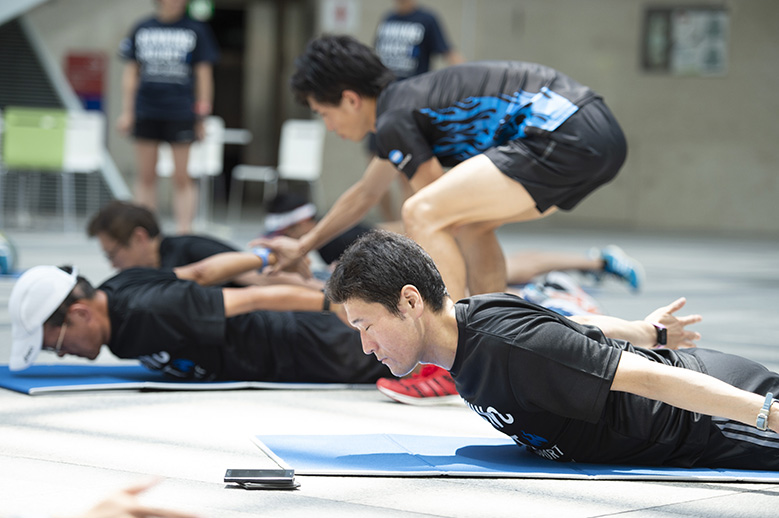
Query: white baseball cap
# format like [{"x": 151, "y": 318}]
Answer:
[{"x": 34, "y": 298}]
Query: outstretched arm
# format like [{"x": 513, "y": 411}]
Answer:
[
  {"x": 689, "y": 390},
  {"x": 223, "y": 267},
  {"x": 238, "y": 301},
  {"x": 347, "y": 211},
  {"x": 642, "y": 333}
]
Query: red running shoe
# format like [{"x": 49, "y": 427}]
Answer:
[{"x": 431, "y": 386}]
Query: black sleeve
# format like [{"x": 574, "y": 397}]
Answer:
[
  {"x": 563, "y": 370},
  {"x": 400, "y": 140},
  {"x": 184, "y": 250},
  {"x": 206, "y": 49},
  {"x": 333, "y": 250}
]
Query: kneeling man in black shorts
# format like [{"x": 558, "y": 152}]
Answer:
[
  {"x": 564, "y": 390},
  {"x": 522, "y": 140}
]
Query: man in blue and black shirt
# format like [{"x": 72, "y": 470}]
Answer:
[{"x": 521, "y": 139}]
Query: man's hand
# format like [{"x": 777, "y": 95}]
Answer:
[
  {"x": 678, "y": 336},
  {"x": 125, "y": 504},
  {"x": 290, "y": 257},
  {"x": 200, "y": 130},
  {"x": 125, "y": 123}
]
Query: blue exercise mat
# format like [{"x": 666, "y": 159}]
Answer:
[
  {"x": 47, "y": 379},
  {"x": 474, "y": 457}
]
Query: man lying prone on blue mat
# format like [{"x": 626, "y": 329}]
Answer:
[
  {"x": 192, "y": 332},
  {"x": 562, "y": 389},
  {"x": 189, "y": 331}
]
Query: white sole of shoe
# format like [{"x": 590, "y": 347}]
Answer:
[{"x": 421, "y": 401}]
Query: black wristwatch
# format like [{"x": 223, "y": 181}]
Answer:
[{"x": 662, "y": 333}]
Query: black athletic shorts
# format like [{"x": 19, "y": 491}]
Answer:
[
  {"x": 165, "y": 130},
  {"x": 560, "y": 168}
]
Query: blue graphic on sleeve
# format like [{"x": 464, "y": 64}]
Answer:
[
  {"x": 395, "y": 156},
  {"x": 476, "y": 124}
]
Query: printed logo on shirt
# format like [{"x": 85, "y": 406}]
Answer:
[
  {"x": 532, "y": 439},
  {"x": 492, "y": 416},
  {"x": 182, "y": 365},
  {"x": 397, "y": 46},
  {"x": 533, "y": 442},
  {"x": 164, "y": 53},
  {"x": 177, "y": 367},
  {"x": 155, "y": 361},
  {"x": 549, "y": 453},
  {"x": 397, "y": 157}
]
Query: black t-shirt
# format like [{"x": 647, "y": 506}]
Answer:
[
  {"x": 166, "y": 54},
  {"x": 332, "y": 250},
  {"x": 461, "y": 111},
  {"x": 179, "y": 327},
  {"x": 545, "y": 381},
  {"x": 183, "y": 250}
]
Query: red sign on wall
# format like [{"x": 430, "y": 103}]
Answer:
[{"x": 86, "y": 72}]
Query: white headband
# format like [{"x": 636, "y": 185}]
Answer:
[{"x": 275, "y": 222}]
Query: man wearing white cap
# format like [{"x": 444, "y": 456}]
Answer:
[
  {"x": 187, "y": 330},
  {"x": 35, "y": 298}
]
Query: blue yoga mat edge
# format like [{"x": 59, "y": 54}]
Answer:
[
  {"x": 346, "y": 455},
  {"x": 51, "y": 379}
]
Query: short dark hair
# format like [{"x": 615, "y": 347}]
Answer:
[
  {"x": 82, "y": 290},
  {"x": 331, "y": 64},
  {"x": 285, "y": 202},
  {"x": 375, "y": 268},
  {"x": 118, "y": 219}
]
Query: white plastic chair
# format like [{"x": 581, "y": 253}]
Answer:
[
  {"x": 50, "y": 140},
  {"x": 83, "y": 154},
  {"x": 206, "y": 160},
  {"x": 301, "y": 146}
]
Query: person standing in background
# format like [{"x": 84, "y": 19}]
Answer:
[
  {"x": 167, "y": 91},
  {"x": 408, "y": 36},
  {"x": 406, "y": 39}
]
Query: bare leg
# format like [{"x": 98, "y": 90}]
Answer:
[
  {"x": 484, "y": 261},
  {"x": 146, "y": 181},
  {"x": 523, "y": 266},
  {"x": 184, "y": 189},
  {"x": 475, "y": 191}
]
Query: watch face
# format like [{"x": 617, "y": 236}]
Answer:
[{"x": 662, "y": 334}]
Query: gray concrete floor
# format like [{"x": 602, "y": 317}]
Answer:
[{"x": 59, "y": 453}]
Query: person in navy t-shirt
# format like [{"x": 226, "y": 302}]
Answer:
[
  {"x": 408, "y": 37},
  {"x": 167, "y": 91}
]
